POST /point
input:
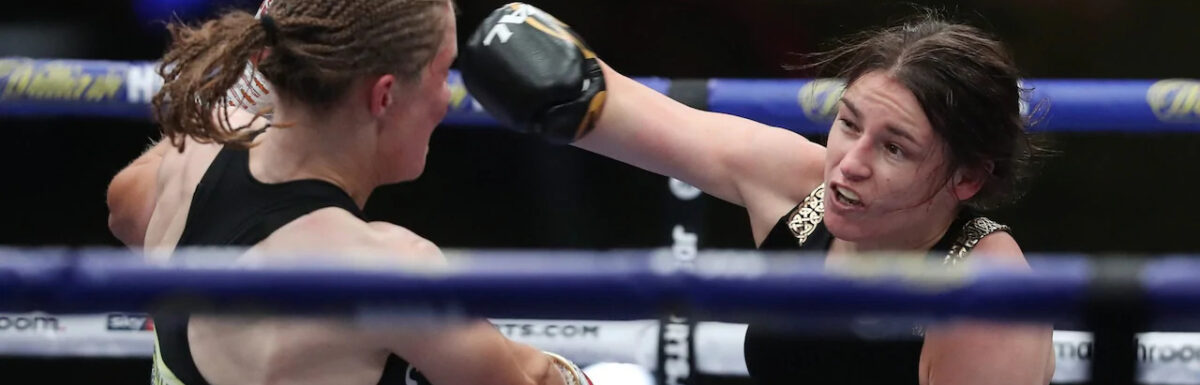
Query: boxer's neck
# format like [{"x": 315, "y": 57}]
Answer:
[{"x": 336, "y": 146}]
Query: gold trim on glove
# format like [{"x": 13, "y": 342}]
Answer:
[{"x": 571, "y": 374}]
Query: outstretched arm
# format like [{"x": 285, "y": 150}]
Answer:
[
  {"x": 534, "y": 74},
  {"x": 765, "y": 169}
]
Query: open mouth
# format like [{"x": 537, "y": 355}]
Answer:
[{"x": 846, "y": 196}]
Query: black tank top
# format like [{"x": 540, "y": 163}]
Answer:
[
  {"x": 231, "y": 208},
  {"x": 862, "y": 351}
]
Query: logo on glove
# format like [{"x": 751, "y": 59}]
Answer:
[{"x": 522, "y": 14}]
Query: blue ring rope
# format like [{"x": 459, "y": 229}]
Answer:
[
  {"x": 618, "y": 285},
  {"x": 53, "y": 88}
]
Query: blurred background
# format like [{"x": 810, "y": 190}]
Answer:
[{"x": 1103, "y": 193}]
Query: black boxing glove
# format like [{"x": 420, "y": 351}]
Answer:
[{"x": 533, "y": 74}]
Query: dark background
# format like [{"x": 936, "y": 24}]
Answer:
[{"x": 1103, "y": 193}]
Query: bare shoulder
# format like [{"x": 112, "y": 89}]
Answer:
[
  {"x": 338, "y": 232},
  {"x": 327, "y": 227},
  {"x": 394, "y": 237},
  {"x": 999, "y": 247}
]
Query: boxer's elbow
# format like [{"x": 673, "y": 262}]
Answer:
[
  {"x": 125, "y": 230},
  {"x": 120, "y": 221},
  {"x": 132, "y": 194},
  {"x": 128, "y": 215}
]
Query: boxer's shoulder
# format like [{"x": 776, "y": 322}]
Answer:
[{"x": 333, "y": 229}]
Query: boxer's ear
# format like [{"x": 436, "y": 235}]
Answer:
[{"x": 381, "y": 95}]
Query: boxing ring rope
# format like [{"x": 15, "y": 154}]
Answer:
[
  {"x": 50, "y": 88},
  {"x": 96, "y": 308},
  {"x": 620, "y": 285},
  {"x": 110, "y": 289}
]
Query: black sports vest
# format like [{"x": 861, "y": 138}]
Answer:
[
  {"x": 231, "y": 208},
  {"x": 858, "y": 352}
]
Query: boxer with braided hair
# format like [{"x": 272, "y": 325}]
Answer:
[{"x": 311, "y": 51}]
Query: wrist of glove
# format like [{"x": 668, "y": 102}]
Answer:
[{"x": 534, "y": 74}]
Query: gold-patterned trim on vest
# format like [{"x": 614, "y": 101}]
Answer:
[
  {"x": 808, "y": 215},
  {"x": 972, "y": 233},
  {"x": 160, "y": 374}
]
